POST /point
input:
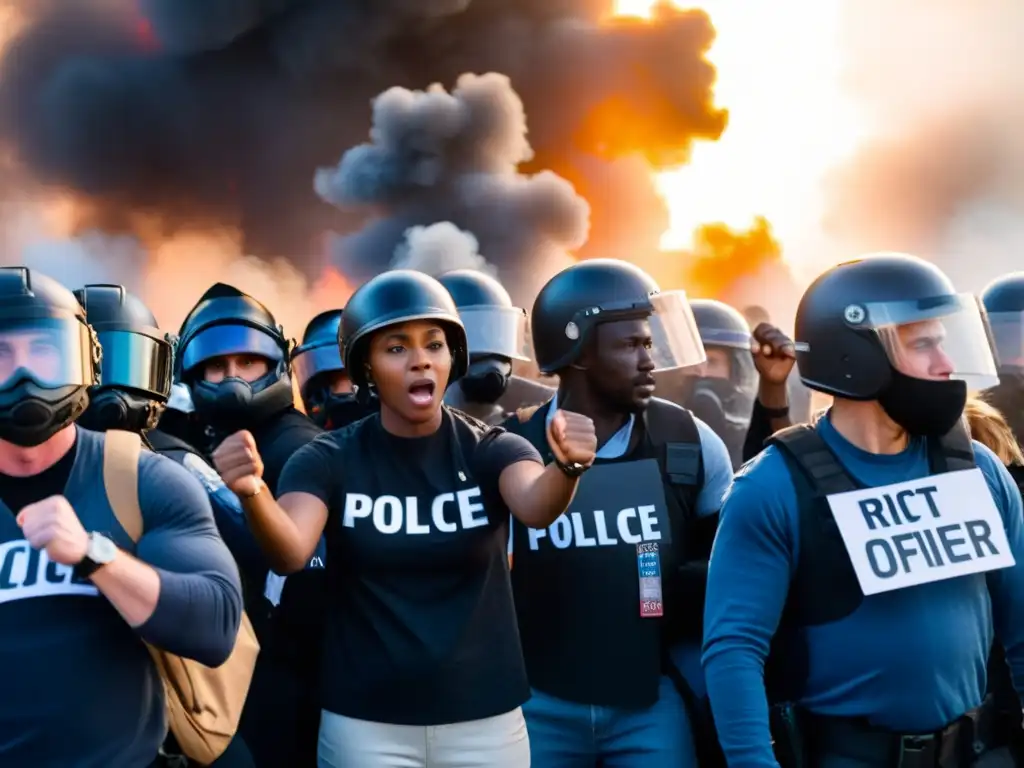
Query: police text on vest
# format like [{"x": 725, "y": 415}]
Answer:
[
  {"x": 920, "y": 531},
  {"x": 26, "y": 572},
  {"x": 447, "y": 512},
  {"x": 595, "y": 529}
]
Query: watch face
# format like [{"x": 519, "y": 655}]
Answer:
[{"x": 101, "y": 549}]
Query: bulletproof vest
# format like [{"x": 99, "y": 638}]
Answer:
[
  {"x": 168, "y": 445},
  {"x": 81, "y": 642},
  {"x": 824, "y": 587},
  {"x": 593, "y": 553}
]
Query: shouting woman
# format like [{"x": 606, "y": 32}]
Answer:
[{"x": 422, "y": 664}]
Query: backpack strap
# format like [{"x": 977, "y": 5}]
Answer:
[
  {"x": 121, "y": 451},
  {"x": 952, "y": 452},
  {"x": 671, "y": 427},
  {"x": 811, "y": 454}
]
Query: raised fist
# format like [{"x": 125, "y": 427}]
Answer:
[
  {"x": 52, "y": 525},
  {"x": 239, "y": 463},
  {"x": 572, "y": 438},
  {"x": 774, "y": 354}
]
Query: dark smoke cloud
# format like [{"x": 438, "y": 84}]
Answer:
[
  {"x": 213, "y": 113},
  {"x": 439, "y": 156}
]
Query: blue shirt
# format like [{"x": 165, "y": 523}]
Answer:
[{"x": 912, "y": 660}]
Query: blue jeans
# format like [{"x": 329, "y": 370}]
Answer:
[{"x": 565, "y": 734}]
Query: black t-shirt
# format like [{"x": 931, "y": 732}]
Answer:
[
  {"x": 19, "y": 492},
  {"x": 421, "y": 628}
]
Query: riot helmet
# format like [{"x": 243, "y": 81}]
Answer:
[
  {"x": 891, "y": 327},
  {"x": 391, "y": 298},
  {"x": 135, "y": 376},
  {"x": 315, "y": 364},
  {"x": 49, "y": 357},
  {"x": 495, "y": 332},
  {"x": 1004, "y": 303},
  {"x": 579, "y": 298},
  {"x": 225, "y": 322}
]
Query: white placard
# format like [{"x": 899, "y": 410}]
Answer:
[{"x": 920, "y": 531}]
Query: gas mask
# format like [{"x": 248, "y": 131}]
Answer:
[
  {"x": 114, "y": 409},
  {"x": 235, "y": 402},
  {"x": 923, "y": 407},
  {"x": 31, "y": 414},
  {"x": 486, "y": 380}
]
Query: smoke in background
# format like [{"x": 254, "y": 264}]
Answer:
[
  {"x": 169, "y": 116},
  {"x": 942, "y": 82},
  {"x": 440, "y": 248},
  {"x": 452, "y": 157}
]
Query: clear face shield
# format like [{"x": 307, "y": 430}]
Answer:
[
  {"x": 55, "y": 352},
  {"x": 943, "y": 337},
  {"x": 1008, "y": 338},
  {"x": 497, "y": 331},
  {"x": 677, "y": 342}
]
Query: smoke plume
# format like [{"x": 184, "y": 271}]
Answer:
[
  {"x": 941, "y": 175},
  {"x": 440, "y": 248},
  {"x": 166, "y": 116},
  {"x": 452, "y": 157}
]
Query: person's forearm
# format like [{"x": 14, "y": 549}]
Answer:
[
  {"x": 547, "y": 497},
  {"x": 131, "y": 586},
  {"x": 276, "y": 532},
  {"x": 773, "y": 397}
]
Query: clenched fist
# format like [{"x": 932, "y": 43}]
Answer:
[
  {"x": 774, "y": 354},
  {"x": 239, "y": 464},
  {"x": 52, "y": 525},
  {"x": 572, "y": 438}
]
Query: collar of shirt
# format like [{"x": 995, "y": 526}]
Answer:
[{"x": 616, "y": 446}]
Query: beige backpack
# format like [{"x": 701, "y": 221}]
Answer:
[{"x": 203, "y": 704}]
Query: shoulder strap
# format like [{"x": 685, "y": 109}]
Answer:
[
  {"x": 673, "y": 427},
  {"x": 953, "y": 451},
  {"x": 808, "y": 450},
  {"x": 121, "y": 451}
]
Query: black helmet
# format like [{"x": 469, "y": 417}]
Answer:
[
  {"x": 320, "y": 350},
  {"x": 1004, "y": 304},
  {"x": 50, "y": 357},
  {"x": 607, "y": 290},
  {"x": 494, "y": 325},
  {"x": 849, "y": 343},
  {"x": 723, "y": 327},
  {"x": 137, "y": 359},
  {"x": 226, "y": 321},
  {"x": 394, "y": 297}
]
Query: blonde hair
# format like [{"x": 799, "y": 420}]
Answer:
[{"x": 988, "y": 426}]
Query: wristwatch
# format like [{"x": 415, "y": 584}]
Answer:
[
  {"x": 100, "y": 551},
  {"x": 572, "y": 469}
]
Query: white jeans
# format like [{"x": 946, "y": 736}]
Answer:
[{"x": 494, "y": 742}]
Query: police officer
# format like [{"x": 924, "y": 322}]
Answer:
[
  {"x": 234, "y": 358},
  {"x": 78, "y": 598},
  {"x": 617, "y": 582},
  {"x": 324, "y": 384},
  {"x": 497, "y": 337},
  {"x": 133, "y": 392},
  {"x": 1004, "y": 303},
  {"x": 896, "y": 677}
]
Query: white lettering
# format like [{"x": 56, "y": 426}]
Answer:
[
  {"x": 603, "y": 540},
  {"x": 580, "y": 536},
  {"x": 561, "y": 533},
  {"x": 387, "y": 514},
  {"x": 437, "y": 513},
  {"x": 468, "y": 508},
  {"x": 648, "y": 522},
  {"x": 27, "y": 573},
  {"x": 922, "y": 530},
  {"x": 412, "y": 524},
  {"x": 622, "y": 523},
  {"x": 356, "y": 505},
  {"x": 535, "y": 535}
]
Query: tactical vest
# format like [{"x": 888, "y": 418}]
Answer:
[{"x": 824, "y": 587}]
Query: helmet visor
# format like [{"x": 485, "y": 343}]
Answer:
[
  {"x": 1008, "y": 337},
  {"x": 677, "y": 342},
  {"x": 943, "y": 337},
  {"x": 220, "y": 340},
  {"x": 496, "y": 331},
  {"x": 137, "y": 361},
  {"x": 56, "y": 352},
  {"x": 726, "y": 337},
  {"x": 310, "y": 362}
]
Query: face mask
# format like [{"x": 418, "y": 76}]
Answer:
[
  {"x": 110, "y": 409},
  {"x": 486, "y": 380},
  {"x": 31, "y": 414},
  {"x": 924, "y": 408}
]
